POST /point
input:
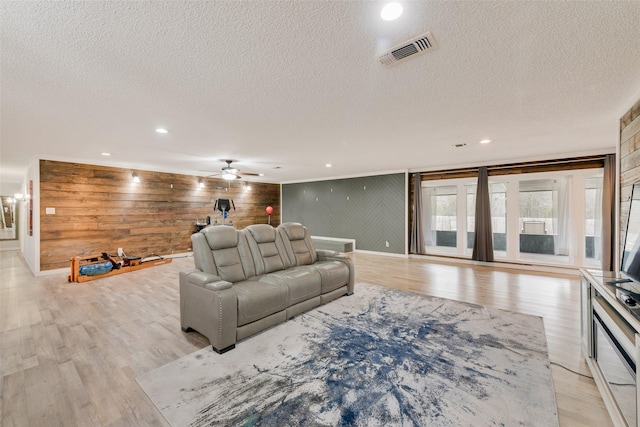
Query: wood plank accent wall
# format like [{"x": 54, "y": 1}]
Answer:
[
  {"x": 629, "y": 163},
  {"x": 99, "y": 209}
]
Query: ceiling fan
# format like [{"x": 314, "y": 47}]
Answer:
[{"x": 230, "y": 173}]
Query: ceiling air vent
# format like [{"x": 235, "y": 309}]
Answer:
[{"x": 420, "y": 44}]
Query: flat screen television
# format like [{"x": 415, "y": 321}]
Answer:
[{"x": 631, "y": 252}]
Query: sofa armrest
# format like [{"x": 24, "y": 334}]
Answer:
[
  {"x": 327, "y": 255},
  {"x": 206, "y": 280},
  {"x": 209, "y": 305}
]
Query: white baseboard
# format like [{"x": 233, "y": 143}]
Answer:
[
  {"x": 53, "y": 272},
  {"x": 180, "y": 255},
  {"x": 381, "y": 253}
]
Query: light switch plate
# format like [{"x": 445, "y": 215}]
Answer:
[{"x": 50, "y": 211}]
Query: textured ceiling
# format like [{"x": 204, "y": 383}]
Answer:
[{"x": 296, "y": 84}]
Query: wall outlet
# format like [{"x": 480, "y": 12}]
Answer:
[
  {"x": 120, "y": 252},
  {"x": 386, "y": 243}
]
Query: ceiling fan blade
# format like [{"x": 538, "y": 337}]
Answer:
[{"x": 229, "y": 169}]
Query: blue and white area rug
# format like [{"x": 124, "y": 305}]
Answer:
[{"x": 378, "y": 358}]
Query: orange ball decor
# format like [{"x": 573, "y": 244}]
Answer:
[{"x": 269, "y": 212}]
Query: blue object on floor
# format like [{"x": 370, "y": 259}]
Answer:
[{"x": 96, "y": 269}]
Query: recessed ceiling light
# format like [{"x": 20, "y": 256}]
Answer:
[
  {"x": 485, "y": 141},
  {"x": 162, "y": 130},
  {"x": 391, "y": 11},
  {"x": 260, "y": 174},
  {"x": 105, "y": 154},
  {"x": 328, "y": 165}
]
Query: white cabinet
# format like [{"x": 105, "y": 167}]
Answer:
[{"x": 610, "y": 321}]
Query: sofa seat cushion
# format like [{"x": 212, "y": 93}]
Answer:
[
  {"x": 258, "y": 299},
  {"x": 302, "y": 282},
  {"x": 334, "y": 274}
]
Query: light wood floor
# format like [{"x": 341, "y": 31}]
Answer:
[{"x": 70, "y": 352}]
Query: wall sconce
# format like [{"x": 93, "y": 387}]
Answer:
[
  {"x": 19, "y": 197},
  {"x": 135, "y": 177},
  {"x": 200, "y": 183},
  {"x": 247, "y": 186}
]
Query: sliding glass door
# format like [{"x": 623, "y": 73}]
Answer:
[
  {"x": 544, "y": 206},
  {"x": 546, "y": 218},
  {"x": 593, "y": 220}
]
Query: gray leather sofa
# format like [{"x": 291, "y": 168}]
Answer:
[{"x": 248, "y": 280}]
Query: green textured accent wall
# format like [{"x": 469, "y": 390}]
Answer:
[{"x": 371, "y": 210}]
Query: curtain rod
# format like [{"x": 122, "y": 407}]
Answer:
[{"x": 576, "y": 160}]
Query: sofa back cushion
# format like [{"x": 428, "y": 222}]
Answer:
[
  {"x": 298, "y": 244},
  {"x": 267, "y": 248},
  {"x": 223, "y": 251}
]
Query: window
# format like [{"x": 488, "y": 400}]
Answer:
[
  {"x": 544, "y": 207},
  {"x": 441, "y": 225},
  {"x": 544, "y": 227},
  {"x": 471, "y": 215},
  {"x": 593, "y": 217},
  {"x": 536, "y": 208},
  {"x": 499, "y": 217},
  {"x": 543, "y": 217}
]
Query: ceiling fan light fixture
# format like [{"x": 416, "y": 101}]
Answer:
[
  {"x": 229, "y": 176},
  {"x": 231, "y": 173}
]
